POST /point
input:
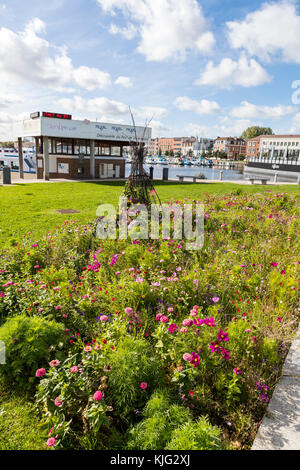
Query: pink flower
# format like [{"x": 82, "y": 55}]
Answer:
[
  {"x": 87, "y": 348},
  {"x": 144, "y": 385},
  {"x": 51, "y": 441},
  {"x": 74, "y": 369},
  {"x": 279, "y": 319},
  {"x": 54, "y": 363},
  {"x": 215, "y": 300},
  {"x": 98, "y": 395},
  {"x": 40, "y": 372},
  {"x": 187, "y": 322},
  {"x": 170, "y": 309},
  {"x": 187, "y": 357},
  {"x": 158, "y": 316},
  {"x": 128, "y": 310},
  {"x": 58, "y": 307},
  {"x": 103, "y": 318},
  {"x": 164, "y": 319},
  {"x": 58, "y": 402},
  {"x": 254, "y": 339},
  {"x": 183, "y": 330}
]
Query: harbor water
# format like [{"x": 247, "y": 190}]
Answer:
[{"x": 175, "y": 171}]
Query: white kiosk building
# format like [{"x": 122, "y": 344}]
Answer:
[{"x": 71, "y": 149}]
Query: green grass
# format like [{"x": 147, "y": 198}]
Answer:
[
  {"x": 32, "y": 207},
  {"x": 19, "y": 428}
]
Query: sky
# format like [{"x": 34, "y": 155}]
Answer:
[{"x": 205, "y": 68}]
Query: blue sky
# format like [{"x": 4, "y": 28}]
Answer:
[{"x": 206, "y": 68}]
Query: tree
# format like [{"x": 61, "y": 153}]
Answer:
[{"x": 255, "y": 131}]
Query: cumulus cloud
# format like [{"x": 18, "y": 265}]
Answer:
[
  {"x": 126, "y": 82},
  {"x": 249, "y": 110},
  {"x": 228, "y": 73},
  {"x": 97, "y": 106},
  {"x": 184, "y": 103},
  {"x": 228, "y": 127},
  {"x": 108, "y": 110},
  {"x": 26, "y": 57},
  {"x": 166, "y": 28},
  {"x": 273, "y": 30}
]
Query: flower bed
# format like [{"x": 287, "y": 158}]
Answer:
[{"x": 151, "y": 346}]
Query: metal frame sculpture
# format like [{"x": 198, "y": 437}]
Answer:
[{"x": 139, "y": 187}]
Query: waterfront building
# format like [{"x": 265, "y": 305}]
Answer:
[
  {"x": 234, "y": 147},
  {"x": 73, "y": 149}
]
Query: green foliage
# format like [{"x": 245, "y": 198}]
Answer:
[
  {"x": 199, "y": 435},
  {"x": 256, "y": 131},
  {"x": 29, "y": 344},
  {"x": 131, "y": 364},
  {"x": 161, "y": 418}
]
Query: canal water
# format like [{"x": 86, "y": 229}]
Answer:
[{"x": 210, "y": 173}]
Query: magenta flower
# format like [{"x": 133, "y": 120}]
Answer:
[
  {"x": 40, "y": 372},
  {"x": 225, "y": 354},
  {"x": 223, "y": 336},
  {"x": 195, "y": 359},
  {"x": 214, "y": 347},
  {"x": 98, "y": 395},
  {"x": 144, "y": 385},
  {"x": 237, "y": 371},
  {"x": 173, "y": 327},
  {"x": 158, "y": 316}
]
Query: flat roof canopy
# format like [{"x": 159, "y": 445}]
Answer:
[{"x": 52, "y": 127}]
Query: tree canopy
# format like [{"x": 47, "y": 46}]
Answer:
[{"x": 255, "y": 131}]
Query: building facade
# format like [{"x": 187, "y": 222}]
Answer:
[
  {"x": 73, "y": 149},
  {"x": 253, "y": 147},
  {"x": 234, "y": 147}
]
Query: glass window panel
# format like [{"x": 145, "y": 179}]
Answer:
[{"x": 116, "y": 151}]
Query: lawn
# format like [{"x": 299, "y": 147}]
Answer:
[
  {"x": 109, "y": 349},
  {"x": 33, "y": 207}
]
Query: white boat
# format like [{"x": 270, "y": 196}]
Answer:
[{"x": 9, "y": 157}]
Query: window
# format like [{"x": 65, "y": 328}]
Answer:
[{"x": 105, "y": 150}]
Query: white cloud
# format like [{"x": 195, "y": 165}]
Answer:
[
  {"x": 229, "y": 127},
  {"x": 271, "y": 30},
  {"x": 250, "y": 111},
  {"x": 158, "y": 128},
  {"x": 129, "y": 32},
  {"x": 167, "y": 28},
  {"x": 126, "y": 82},
  {"x": 295, "y": 124},
  {"x": 98, "y": 106},
  {"x": 27, "y": 57},
  {"x": 9, "y": 99},
  {"x": 199, "y": 107},
  {"x": 107, "y": 110},
  {"x": 244, "y": 72},
  {"x": 147, "y": 112}
]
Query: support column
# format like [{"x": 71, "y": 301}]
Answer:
[
  {"x": 92, "y": 159},
  {"x": 20, "y": 150},
  {"x": 46, "y": 158}
]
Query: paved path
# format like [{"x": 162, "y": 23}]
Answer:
[{"x": 280, "y": 429}]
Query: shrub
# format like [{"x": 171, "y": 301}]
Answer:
[
  {"x": 29, "y": 343},
  {"x": 132, "y": 364},
  {"x": 200, "y": 435},
  {"x": 161, "y": 419}
]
